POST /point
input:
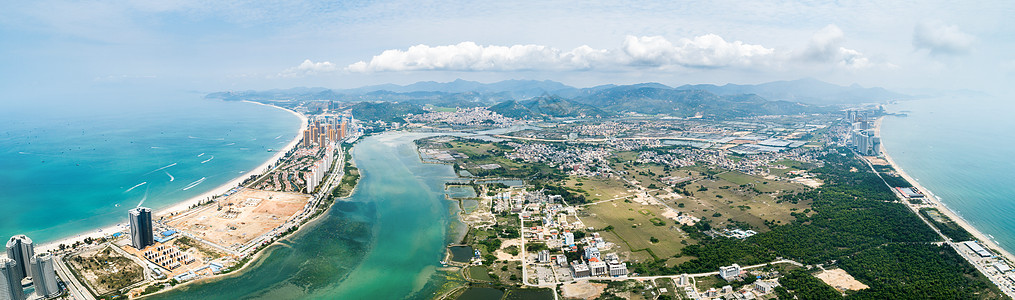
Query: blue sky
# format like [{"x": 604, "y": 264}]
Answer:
[{"x": 229, "y": 45}]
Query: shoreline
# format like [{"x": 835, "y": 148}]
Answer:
[
  {"x": 933, "y": 199},
  {"x": 186, "y": 203},
  {"x": 254, "y": 260}
]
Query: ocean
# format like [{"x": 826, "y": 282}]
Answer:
[
  {"x": 960, "y": 148},
  {"x": 70, "y": 165}
]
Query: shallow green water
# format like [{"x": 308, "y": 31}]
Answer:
[{"x": 385, "y": 242}]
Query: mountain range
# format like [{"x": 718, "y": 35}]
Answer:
[
  {"x": 808, "y": 90},
  {"x": 544, "y": 99}
]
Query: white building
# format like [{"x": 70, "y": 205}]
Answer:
[
  {"x": 598, "y": 268},
  {"x": 764, "y": 287},
  {"x": 730, "y": 273},
  {"x": 44, "y": 275},
  {"x": 618, "y": 269}
]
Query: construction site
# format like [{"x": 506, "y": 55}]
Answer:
[{"x": 236, "y": 221}]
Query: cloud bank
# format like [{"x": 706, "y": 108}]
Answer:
[
  {"x": 709, "y": 51},
  {"x": 826, "y": 47},
  {"x": 941, "y": 39}
]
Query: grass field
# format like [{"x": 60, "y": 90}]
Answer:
[
  {"x": 753, "y": 204},
  {"x": 598, "y": 189},
  {"x": 484, "y": 153},
  {"x": 633, "y": 229},
  {"x": 480, "y": 273}
]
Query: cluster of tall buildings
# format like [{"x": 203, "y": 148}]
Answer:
[
  {"x": 22, "y": 262},
  {"x": 316, "y": 174},
  {"x": 321, "y": 131},
  {"x": 862, "y": 134}
]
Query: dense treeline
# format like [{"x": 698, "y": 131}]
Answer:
[
  {"x": 949, "y": 228},
  {"x": 917, "y": 271},
  {"x": 855, "y": 220},
  {"x": 801, "y": 285}
]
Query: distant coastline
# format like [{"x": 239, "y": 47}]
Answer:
[
  {"x": 983, "y": 238},
  {"x": 183, "y": 205}
]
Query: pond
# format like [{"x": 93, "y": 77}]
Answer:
[{"x": 462, "y": 253}]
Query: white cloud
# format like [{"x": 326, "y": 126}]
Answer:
[
  {"x": 703, "y": 51},
  {"x": 939, "y": 38},
  {"x": 655, "y": 51},
  {"x": 635, "y": 52},
  {"x": 309, "y": 67},
  {"x": 826, "y": 47},
  {"x": 468, "y": 56}
]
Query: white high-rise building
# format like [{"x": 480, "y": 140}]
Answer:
[
  {"x": 21, "y": 250},
  {"x": 44, "y": 275},
  {"x": 10, "y": 281}
]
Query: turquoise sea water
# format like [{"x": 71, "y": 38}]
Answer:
[
  {"x": 67, "y": 165},
  {"x": 385, "y": 241},
  {"x": 961, "y": 150}
]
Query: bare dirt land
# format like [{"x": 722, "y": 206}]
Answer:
[
  {"x": 582, "y": 290},
  {"x": 243, "y": 216},
  {"x": 105, "y": 269},
  {"x": 841, "y": 280}
]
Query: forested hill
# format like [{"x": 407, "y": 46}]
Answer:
[
  {"x": 689, "y": 103},
  {"x": 546, "y": 106},
  {"x": 809, "y": 91}
]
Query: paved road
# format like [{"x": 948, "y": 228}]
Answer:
[
  {"x": 607, "y": 278},
  {"x": 76, "y": 290}
]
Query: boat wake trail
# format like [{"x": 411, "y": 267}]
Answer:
[
  {"x": 195, "y": 183},
  {"x": 207, "y": 160},
  {"x": 199, "y": 155},
  {"x": 160, "y": 169},
  {"x": 171, "y": 178},
  {"x": 145, "y": 196},
  {"x": 133, "y": 187}
]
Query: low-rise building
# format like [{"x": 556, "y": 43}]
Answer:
[
  {"x": 730, "y": 273},
  {"x": 544, "y": 256},
  {"x": 598, "y": 267},
  {"x": 764, "y": 287},
  {"x": 581, "y": 270},
  {"x": 618, "y": 269},
  {"x": 591, "y": 252}
]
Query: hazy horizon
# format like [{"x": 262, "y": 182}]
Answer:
[{"x": 60, "y": 47}]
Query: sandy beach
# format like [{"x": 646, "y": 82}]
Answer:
[
  {"x": 186, "y": 204},
  {"x": 983, "y": 238}
]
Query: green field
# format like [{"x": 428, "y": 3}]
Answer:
[
  {"x": 479, "y": 273},
  {"x": 598, "y": 189},
  {"x": 484, "y": 153},
  {"x": 632, "y": 236},
  {"x": 754, "y": 203}
]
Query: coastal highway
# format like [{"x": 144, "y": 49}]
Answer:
[{"x": 76, "y": 290}]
